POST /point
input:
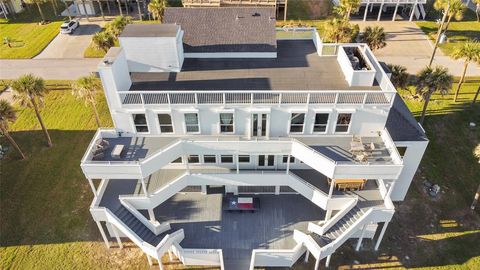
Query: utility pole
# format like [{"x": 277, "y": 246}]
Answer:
[{"x": 439, "y": 33}]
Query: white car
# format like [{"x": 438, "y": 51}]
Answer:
[{"x": 69, "y": 27}]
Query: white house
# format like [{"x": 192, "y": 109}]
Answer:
[{"x": 216, "y": 113}]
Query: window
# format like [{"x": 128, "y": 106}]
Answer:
[
  {"x": 191, "y": 122},
  {"x": 243, "y": 159},
  {"x": 226, "y": 159},
  {"x": 343, "y": 122},
  {"x": 285, "y": 159},
  {"x": 226, "y": 123},
  {"x": 209, "y": 159},
  {"x": 193, "y": 159},
  {"x": 140, "y": 122},
  {"x": 296, "y": 122},
  {"x": 321, "y": 120},
  {"x": 178, "y": 160},
  {"x": 165, "y": 122}
]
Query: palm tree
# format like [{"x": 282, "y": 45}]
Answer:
[
  {"x": 103, "y": 40},
  {"x": 337, "y": 30},
  {"x": 431, "y": 80},
  {"x": 346, "y": 7},
  {"x": 476, "y": 96},
  {"x": 469, "y": 52},
  {"x": 87, "y": 88},
  {"x": 399, "y": 76},
  {"x": 443, "y": 5},
  {"x": 457, "y": 8},
  {"x": 374, "y": 37},
  {"x": 38, "y": 2},
  {"x": 116, "y": 26},
  {"x": 156, "y": 7},
  {"x": 29, "y": 91},
  {"x": 7, "y": 114}
]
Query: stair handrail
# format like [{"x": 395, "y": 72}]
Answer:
[
  {"x": 320, "y": 230},
  {"x": 155, "y": 227},
  {"x": 175, "y": 237}
]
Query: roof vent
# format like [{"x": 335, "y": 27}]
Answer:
[{"x": 256, "y": 14}]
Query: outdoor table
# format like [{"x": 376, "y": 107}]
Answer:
[{"x": 117, "y": 151}]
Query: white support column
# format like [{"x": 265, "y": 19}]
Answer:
[
  {"x": 204, "y": 189},
  {"x": 160, "y": 263},
  {"x": 102, "y": 232},
  {"x": 317, "y": 264},
  {"x": 395, "y": 12},
  {"x": 238, "y": 163},
  {"x": 328, "y": 215},
  {"x": 330, "y": 191},
  {"x": 144, "y": 186},
  {"x": 380, "y": 12},
  {"x": 151, "y": 215},
  {"x": 288, "y": 164},
  {"x": 389, "y": 192},
  {"x": 92, "y": 186},
  {"x": 277, "y": 190},
  {"x": 119, "y": 241},
  {"x": 359, "y": 243},
  {"x": 413, "y": 10},
  {"x": 366, "y": 12},
  {"x": 307, "y": 254},
  {"x": 149, "y": 260},
  {"x": 327, "y": 262},
  {"x": 185, "y": 157},
  {"x": 170, "y": 256},
  {"x": 379, "y": 240},
  {"x": 371, "y": 7}
]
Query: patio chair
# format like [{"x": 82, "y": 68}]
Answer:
[{"x": 98, "y": 156}]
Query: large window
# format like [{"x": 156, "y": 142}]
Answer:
[
  {"x": 140, "y": 122},
  {"x": 209, "y": 159},
  {"x": 296, "y": 122},
  {"x": 226, "y": 159},
  {"x": 193, "y": 159},
  {"x": 191, "y": 123},
  {"x": 226, "y": 122},
  {"x": 343, "y": 122},
  {"x": 285, "y": 159},
  {"x": 165, "y": 122},
  {"x": 321, "y": 121},
  {"x": 244, "y": 159}
]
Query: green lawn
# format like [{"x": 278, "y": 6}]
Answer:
[
  {"x": 45, "y": 223},
  {"x": 458, "y": 32},
  {"x": 27, "y": 37}
]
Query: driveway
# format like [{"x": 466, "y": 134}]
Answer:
[
  {"x": 408, "y": 46},
  {"x": 73, "y": 45}
]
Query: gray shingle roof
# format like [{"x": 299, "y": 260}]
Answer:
[
  {"x": 401, "y": 124},
  {"x": 150, "y": 30},
  {"x": 226, "y": 29}
]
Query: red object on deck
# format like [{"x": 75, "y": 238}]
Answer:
[{"x": 245, "y": 205}]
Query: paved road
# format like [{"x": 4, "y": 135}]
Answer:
[
  {"x": 71, "y": 46},
  {"x": 61, "y": 69},
  {"x": 408, "y": 46}
]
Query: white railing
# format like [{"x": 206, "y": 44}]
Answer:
[
  {"x": 277, "y": 97},
  {"x": 157, "y": 227},
  {"x": 295, "y": 33},
  {"x": 276, "y": 257},
  {"x": 390, "y": 146},
  {"x": 320, "y": 230},
  {"x": 394, "y": 1}
]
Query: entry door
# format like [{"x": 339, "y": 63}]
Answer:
[
  {"x": 266, "y": 161},
  {"x": 259, "y": 124}
]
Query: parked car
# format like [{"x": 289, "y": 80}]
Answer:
[{"x": 69, "y": 26}]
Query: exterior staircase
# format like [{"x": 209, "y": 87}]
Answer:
[
  {"x": 138, "y": 227},
  {"x": 341, "y": 226}
]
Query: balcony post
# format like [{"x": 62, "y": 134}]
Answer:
[
  {"x": 238, "y": 163},
  {"x": 317, "y": 264},
  {"x": 359, "y": 243},
  {"x": 119, "y": 241},
  {"x": 151, "y": 215},
  {"x": 380, "y": 12},
  {"x": 327, "y": 262},
  {"x": 328, "y": 215},
  {"x": 307, "y": 254},
  {"x": 144, "y": 187},
  {"x": 102, "y": 232},
  {"x": 288, "y": 164},
  {"x": 366, "y": 11},
  {"x": 395, "y": 12},
  {"x": 380, "y": 237},
  {"x": 332, "y": 185},
  {"x": 413, "y": 10},
  {"x": 149, "y": 260},
  {"x": 90, "y": 181},
  {"x": 389, "y": 192},
  {"x": 185, "y": 157}
]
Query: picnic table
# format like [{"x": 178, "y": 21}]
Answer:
[{"x": 349, "y": 183}]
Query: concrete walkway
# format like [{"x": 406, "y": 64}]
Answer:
[
  {"x": 408, "y": 46},
  {"x": 49, "y": 69}
]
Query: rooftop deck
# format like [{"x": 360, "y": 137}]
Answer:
[{"x": 297, "y": 66}]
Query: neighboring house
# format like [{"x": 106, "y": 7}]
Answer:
[
  {"x": 92, "y": 7},
  {"x": 218, "y": 110},
  {"x": 377, "y": 8},
  {"x": 10, "y": 6}
]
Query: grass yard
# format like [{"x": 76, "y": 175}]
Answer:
[
  {"x": 27, "y": 37},
  {"x": 458, "y": 32},
  {"x": 45, "y": 222}
]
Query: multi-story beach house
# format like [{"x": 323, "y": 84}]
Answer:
[{"x": 239, "y": 145}]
